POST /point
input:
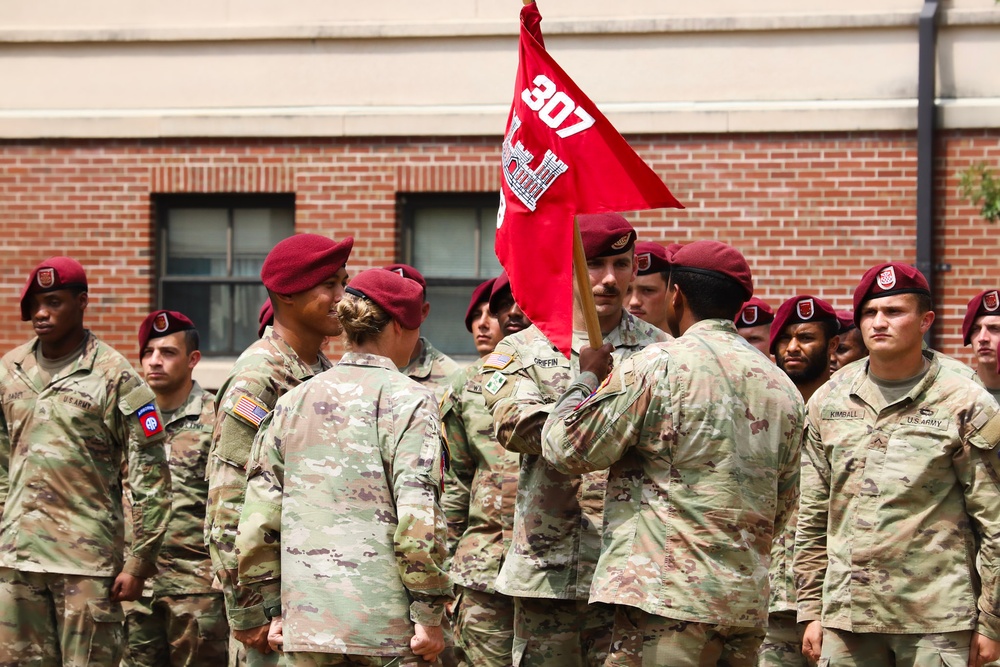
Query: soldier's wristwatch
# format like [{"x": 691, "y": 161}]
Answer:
[{"x": 272, "y": 611}]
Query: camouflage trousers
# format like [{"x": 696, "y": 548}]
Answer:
[
  {"x": 176, "y": 631},
  {"x": 58, "y": 619},
  {"x": 484, "y": 627},
  {"x": 782, "y": 646},
  {"x": 336, "y": 659},
  {"x": 856, "y": 649},
  {"x": 567, "y": 633},
  {"x": 646, "y": 640}
]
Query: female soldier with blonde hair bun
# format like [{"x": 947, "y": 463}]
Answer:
[{"x": 342, "y": 533}]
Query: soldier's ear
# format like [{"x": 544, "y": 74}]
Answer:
[{"x": 83, "y": 298}]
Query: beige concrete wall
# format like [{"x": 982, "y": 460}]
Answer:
[{"x": 396, "y": 67}]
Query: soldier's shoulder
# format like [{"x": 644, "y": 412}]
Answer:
[
  {"x": 645, "y": 333},
  {"x": 17, "y": 354}
]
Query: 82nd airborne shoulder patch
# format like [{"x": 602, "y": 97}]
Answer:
[{"x": 149, "y": 419}]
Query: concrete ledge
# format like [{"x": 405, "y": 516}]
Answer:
[
  {"x": 485, "y": 120},
  {"x": 493, "y": 28}
]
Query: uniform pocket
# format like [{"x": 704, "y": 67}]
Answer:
[{"x": 106, "y": 631}]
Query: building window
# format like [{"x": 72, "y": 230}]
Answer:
[
  {"x": 449, "y": 239},
  {"x": 211, "y": 251}
]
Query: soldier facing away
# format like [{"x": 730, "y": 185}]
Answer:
[
  {"x": 896, "y": 551},
  {"x": 342, "y": 533},
  {"x": 701, "y": 435},
  {"x": 180, "y": 620},
  {"x": 305, "y": 277},
  {"x": 75, "y": 415}
]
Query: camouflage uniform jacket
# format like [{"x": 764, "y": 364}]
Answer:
[
  {"x": 342, "y": 509},
  {"x": 894, "y": 504},
  {"x": 480, "y": 485},
  {"x": 780, "y": 574},
  {"x": 558, "y": 517},
  {"x": 185, "y": 567},
  {"x": 432, "y": 368},
  {"x": 264, "y": 372},
  {"x": 702, "y": 436},
  {"x": 63, "y": 448}
]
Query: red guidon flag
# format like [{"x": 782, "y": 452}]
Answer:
[{"x": 561, "y": 157}]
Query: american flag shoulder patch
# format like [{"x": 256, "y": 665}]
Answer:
[{"x": 250, "y": 410}]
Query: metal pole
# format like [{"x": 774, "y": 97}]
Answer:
[{"x": 926, "y": 126}]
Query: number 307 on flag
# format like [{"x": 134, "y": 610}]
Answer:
[{"x": 554, "y": 106}]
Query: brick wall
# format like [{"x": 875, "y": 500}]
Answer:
[{"x": 810, "y": 211}]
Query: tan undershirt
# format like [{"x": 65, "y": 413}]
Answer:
[{"x": 50, "y": 368}]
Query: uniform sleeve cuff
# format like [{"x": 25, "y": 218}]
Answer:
[
  {"x": 988, "y": 625},
  {"x": 247, "y": 618},
  {"x": 807, "y": 613},
  {"x": 271, "y": 592},
  {"x": 427, "y": 613},
  {"x": 137, "y": 567}
]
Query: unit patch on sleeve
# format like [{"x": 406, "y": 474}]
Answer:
[
  {"x": 495, "y": 382},
  {"x": 149, "y": 419},
  {"x": 250, "y": 410}
]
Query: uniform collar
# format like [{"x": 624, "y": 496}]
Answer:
[
  {"x": 626, "y": 334},
  {"x": 421, "y": 366},
  {"x": 28, "y": 364},
  {"x": 192, "y": 405},
  {"x": 367, "y": 359},
  {"x": 299, "y": 368}
]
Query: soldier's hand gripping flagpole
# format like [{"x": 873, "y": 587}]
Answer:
[{"x": 560, "y": 157}]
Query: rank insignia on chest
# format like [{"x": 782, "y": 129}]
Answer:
[
  {"x": 250, "y": 410},
  {"x": 495, "y": 382},
  {"x": 149, "y": 420}
]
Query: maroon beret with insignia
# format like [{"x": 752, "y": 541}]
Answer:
[
  {"x": 265, "y": 317},
  {"x": 501, "y": 287},
  {"x": 53, "y": 274},
  {"x": 714, "y": 258},
  {"x": 846, "y": 319},
  {"x": 650, "y": 258},
  {"x": 800, "y": 309},
  {"x": 984, "y": 303},
  {"x": 479, "y": 295},
  {"x": 401, "y": 298},
  {"x": 408, "y": 271},
  {"x": 301, "y": 262},
  {"x": 605, "y": 234},
  {"x": 161, "y": 323},
  {"x": 755, "y": 313},
  {"x": 887, "y": 280}
]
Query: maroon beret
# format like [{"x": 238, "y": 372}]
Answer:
[
  {"x": 53, "y": 274},
  {"x": 479, "y": 295},
  {"x": 887, "y": 280},
  {"x": 846, "y": 320},
  {"x": 650, "y": 258},
  {"x": 714, "y": 258},
  {"x": 755, "y": 313},
  {"x": 800, "y": 309},
  {"x": 265, "y": 317},
  {"x": 408, "y": 271},
  {"x": 500, "y": 285},
  {"x": 161, "y": 323},
  {"x": 301, "y": 262},
  {"x": 605, "y": 234},
  {"x": 984, "y": 303},
  {"x": 402, "y": 299}
]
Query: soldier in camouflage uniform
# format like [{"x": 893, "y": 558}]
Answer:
[
  {"x": 180, "y": 620},
  {"x": 427, "y": 365},
  {"x": 75, "y": 414},
  {"x": 647, "y": 295},
  {"x": 753, "y": 323},
  {"x": 702, "y": 438},
  {"x": 804, "y": 337},
  {"x": 981, "y": 329},
  {"x": 480, "y": 322},
  {"x": 480, "y": 487},
  {"x": 305, "y": 277},
  {"x": 342, "y": 533},
  {"x": 558, "y": 517},
  {"x": 851, "y": 346},
  {"x": 900, "y": 498}
]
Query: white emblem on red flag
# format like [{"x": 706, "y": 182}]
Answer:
[
  {"x": 805, "y": 309},
  {"x": 749, "y": 316},
  {"x": 46, "y": 278},
  {"x": 527, "y": 184},
  {"x": 160, "y": 323},
  {"x": 991, "y": 300},
  {"x": 887, "y": 278}
]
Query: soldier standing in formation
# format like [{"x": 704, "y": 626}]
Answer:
[
  {"x": 75, "y": 415},
  {"x": 753, "y": 323},
  {"x": 305, "y": 276},
  {"x": 804, "y": 335},
  {"x": 851, "y": 346},
  {"x": 559, "y": 517},
  {"x": 981, "y": 329},
  {"x": 896, "y": 552},
  {"x": 647, "y": 295},
  {"x": 480, "y": 322},
  {"x": 480, "y": 489},
  {"x": 702, "y": 437},
  {"x": 342, "y": 533},
  {"x": 180, "y": 620}
]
